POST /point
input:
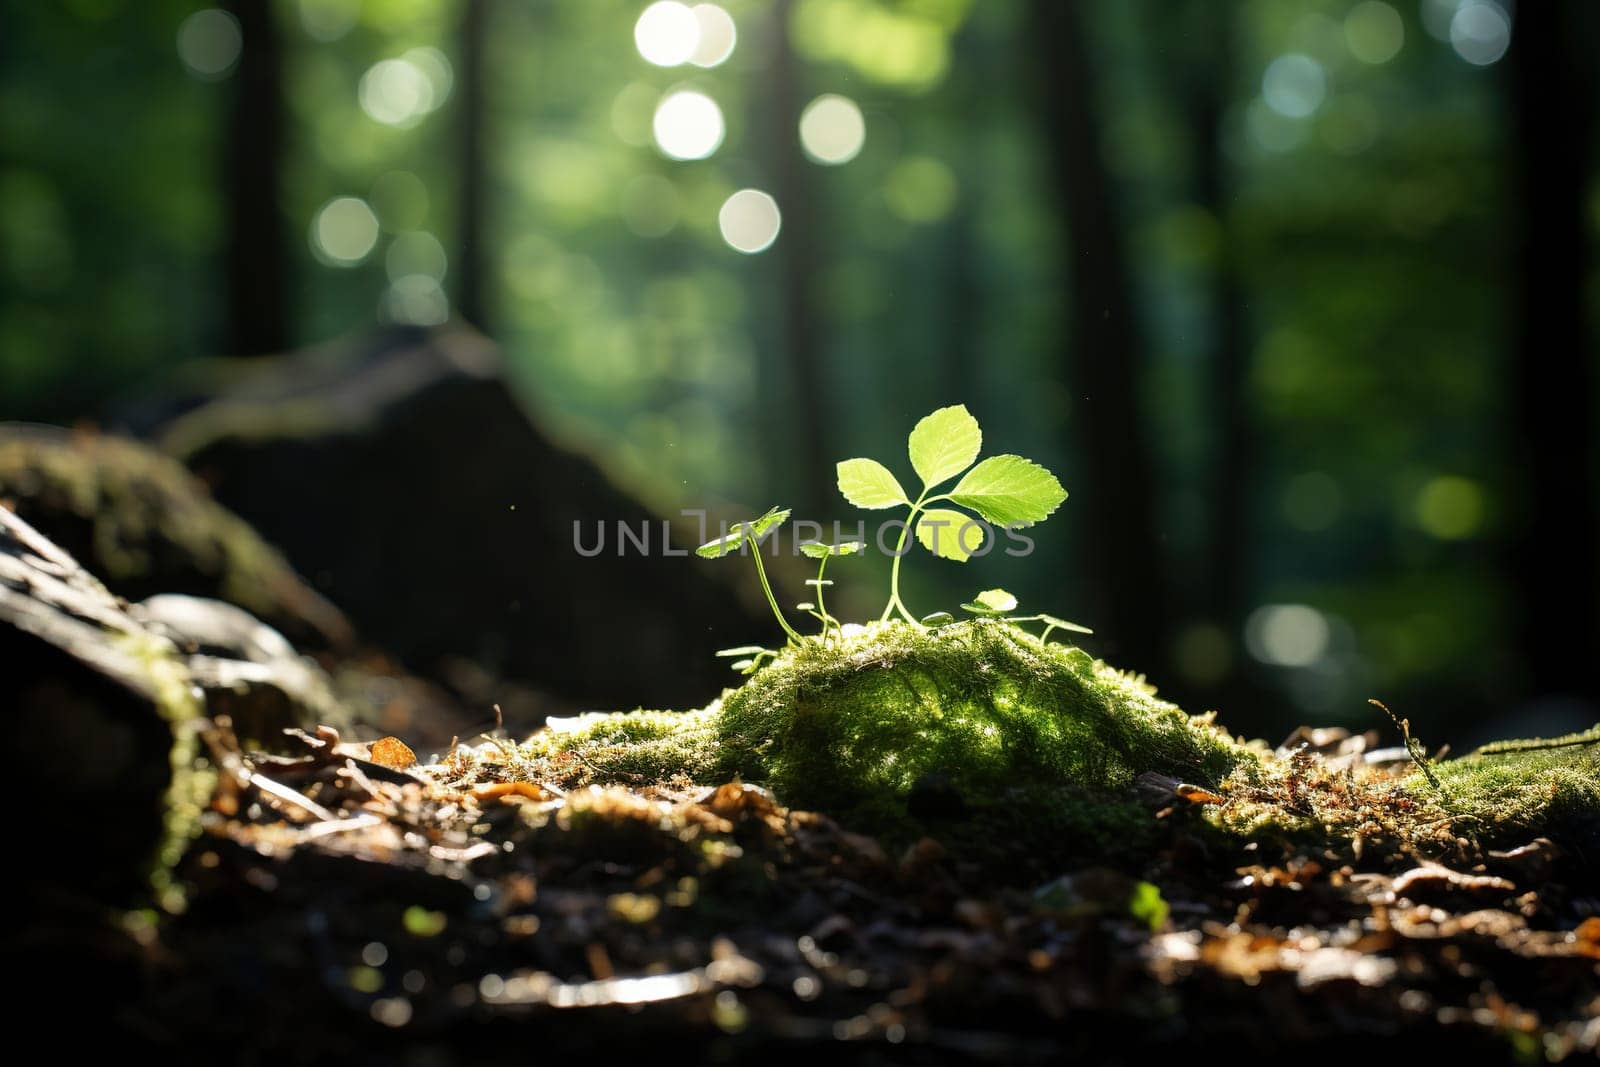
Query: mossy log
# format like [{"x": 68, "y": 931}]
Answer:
[
  {"x": 107, "y": 700},
  {"x": 146, "y": 526}
]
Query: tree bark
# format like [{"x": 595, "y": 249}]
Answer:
[
  {"x": 1103, "y": 352},
  {"x": 1551, "y": 377},
  {"x": 257, "y": 264}
]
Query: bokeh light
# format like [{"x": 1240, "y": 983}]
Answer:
[
  {"x": 415, "y": 300},
  {"x": 1374, "y": 32},
  {"x": 1480, "y": 32},
  {"x": 920, "y": 189},
  {"x": 1294, "y": 85},
  {"x": 344, "y": 232},
  {"x": 688, "y": 125},
  {"x": 667, "y": 33},
  {"x": 1450, "y": 508},
  {"x": 749, "y": 221},
  {"x": 209, "y": 42},
  {"x": 328, "y": 20},
  {"x": 832, "y": 130},
  {"x": 416, "y": 253},
  {"x": 1287, "y": 635},
  {"x": 718, "y": 35},
  {"x": 401, "y": 92}
]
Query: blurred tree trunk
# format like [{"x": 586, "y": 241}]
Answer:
[
  {"x": 1551, "y": 369},
  {"x": 1233, "y": 465},
  {"x": 1103, "y": 352},
  {"x": 471, "y": 176},
  {"x": 257, "y": 264},
  {"x": 1200, "y": 60},
  {"x": 800, "y": 315}
]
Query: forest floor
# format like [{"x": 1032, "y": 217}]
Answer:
[
  {"x": 344, "y": 904},
  {"x": 1044, "y": 886}
]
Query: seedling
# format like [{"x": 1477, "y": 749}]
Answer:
[
  {"x": 822, "y": 554},
  {"x": 752, "y": 533},
  {"x": 997, "y": 603},
  {"x": 1006, "y": 490}
]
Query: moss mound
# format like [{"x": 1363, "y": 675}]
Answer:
[
  {"x": 981, "y": 728},
  {"x": 856, "y": 725},
  {"x": 982, "y": 704}
]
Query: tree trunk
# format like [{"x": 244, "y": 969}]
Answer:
[
  {"x": 1103, "y": 351},
  {"x": 1551, "y": 378},
  {"x": 256, "y": 256},
  {"x": 470, "y": 251},
  {"x": 797, "y": 250}
]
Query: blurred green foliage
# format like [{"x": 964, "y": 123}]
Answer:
[{"x": 1362, "y": 222}]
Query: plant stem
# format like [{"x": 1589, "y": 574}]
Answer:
[
  {"x": 822, "y": 608},
  {"x": 894, "y": 568},
  {"x": 766, "y": 587}
]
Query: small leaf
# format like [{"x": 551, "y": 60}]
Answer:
[
  {"x": 742, "y": 650},
  {"x": 805, "y": 605},
  {"x": 992, "y": 602},
  {"x": 770, "y": 521},
  {"x": 818, "y": 550},
  {"x": 944, "y": 444},
  {"x": 744, "y": 666},
  {"x": 722, "y": 546},
  {"x": 1063, "y": 624},
  {"x": 950, "y": 534},
  {"x": 938, "y": 618},
  {"x": 819, "y": 581},
  {"x": 1009, "y": 489},
  {"x": 866, "y": 483}
]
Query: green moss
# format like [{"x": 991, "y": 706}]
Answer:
[
  {"x": 144, "y": 525},
  {"x": 1042, "y": 745},
  {"x": 1521, "y": 788},
  {"x": 982, "y": 703},
  {"x": 853, "y": 726},
  {"x": 635, "y": 746}
]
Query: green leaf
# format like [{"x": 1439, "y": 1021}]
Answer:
[
  {"x": 744, "y": 666},
  {"x": 770, "y": 521},
  {"x": 866, "y": 483},
  {"x": 1146, "y": 905},
  {"x": 938, "y": 618},
  {"x": 1063, "y": 624},
  {"x": 992, "y": 602},
  {"x": 848, "y": 548},
  {"x": 1009, "y": 489},
  {"x": 722, "y": 546},
  {"x": 944, "y": 444},
  {"x": 742, "y": 650},
  {"x": 945, "y": 533}
]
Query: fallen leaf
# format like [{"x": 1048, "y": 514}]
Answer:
[{"x": 393, "y": 753}]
